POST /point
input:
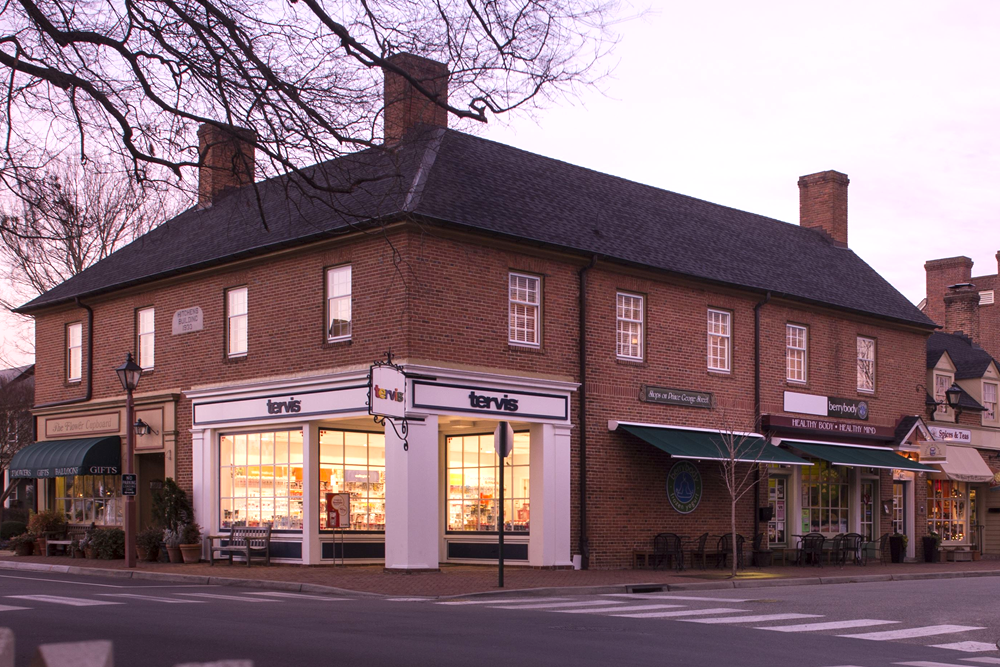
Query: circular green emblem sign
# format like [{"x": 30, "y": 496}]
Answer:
[{"x": 684, "y": 487}]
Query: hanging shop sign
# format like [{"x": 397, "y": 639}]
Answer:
[
  {"x": 388, "y": 392},
  {"x": 826, "y": 406},
  {"x": 693, "y": 399},
  {"x": 282, "y": 406},
  {"x": 187, "y": 320},
  {"x": 951, "y": 434},
  {"x": 488, "y": 401},
  {"x": 828, "y": 427},
  {"x": 82, "y": 425},
  {"x": 996, "y": 482},
  {"x": 684, "y": 487},
  {"x": 933, "y": 452}
]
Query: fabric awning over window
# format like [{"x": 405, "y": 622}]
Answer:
[
  {"x": 63, "y": 458},
  {"x": 711, "y": 446},
  {"x": 864, "y": 457},
  {"x": 964, "y": 464}
]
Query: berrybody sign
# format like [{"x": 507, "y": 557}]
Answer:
[
  {"x": 826, "y": 406},
  {"x": 387, "y": 396}
]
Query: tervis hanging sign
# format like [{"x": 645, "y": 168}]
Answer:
[{"x": 388, "y": 392}]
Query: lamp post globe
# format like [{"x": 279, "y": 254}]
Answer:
[
  {"x": 129, "y": 374},
  {"x": 954, "y": 395}
]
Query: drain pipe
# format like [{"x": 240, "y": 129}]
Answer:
[
  {"x": 584, "y": 539},
  {"x": 756, "y": 403},
  {"x": 90, "y": 362}
]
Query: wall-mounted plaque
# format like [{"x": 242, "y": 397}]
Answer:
[
  {"x": 693, "y": 399},
  {"x": 187, "y": 320}
]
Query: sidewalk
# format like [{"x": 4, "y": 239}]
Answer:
[{"x": 457, "y": 580}]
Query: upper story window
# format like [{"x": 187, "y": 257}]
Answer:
[
  {"x": 236, "y": 321},
  {"x": 74, "y": 351},
  {"x": 866, "y": 364},
  {"x": 629, "y": 309},
  {"x": 795, "y": 352},
  {"x": 719, "y": 340},
  {"x": 941, "y": 384},
  {"x": 524, "y": 296},
  {"x": 145, "y": 329},
  {"x": 990, "y": 401},
  {"x": 338, "y": 303}
]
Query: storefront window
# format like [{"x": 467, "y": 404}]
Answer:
[
  {"x": 776, "y": 496},
  {"x": 946, "y": 508},
  {"x": 90, "y": 499},
  {"x": 898, "y": 513},
  {"x": 472, "y": 484},
  {"x": 260, "y": 479},
  {"x": 825, "y": 498},
  {"x": 353, "y": 463}
]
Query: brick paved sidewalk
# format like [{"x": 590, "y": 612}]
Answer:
[{"x": 467, "y": 579}]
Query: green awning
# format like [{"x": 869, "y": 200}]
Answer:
[
  {"x": 864, "y": 457},
  {"x": 63, "y": 458},
  {"x": 712, "y": 446}
]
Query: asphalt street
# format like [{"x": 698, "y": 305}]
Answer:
[{"x": 912, "y": 624}]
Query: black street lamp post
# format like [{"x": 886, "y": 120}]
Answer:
[{"x": 129, "y": 374}]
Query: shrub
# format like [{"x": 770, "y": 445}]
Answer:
[
  {"x": 171, "y": 507},
  {"x": 149, "y": 538},
  {"x": 9, "y": 529},
  {"x": 108, "y": 543},
  {"x": 191, "y": 534},
  {"x": 16, "y": 514},
  {"x": 23, "y": 538},
  {"x": 47, "y": 521}
]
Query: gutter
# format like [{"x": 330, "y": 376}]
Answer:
[
  {"x": 90, "y": 363},
  {"x": 584, "y": 539},
  {"x": 756, "y": 401}
]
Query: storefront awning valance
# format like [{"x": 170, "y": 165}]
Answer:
[
  {"x": 964, "y": 464},
  {"x": 709, "y": 446},
  {"x": 63, "y": 458},
  {"x": 864, "y": 457}
]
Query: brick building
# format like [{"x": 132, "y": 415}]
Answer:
[{"x": 627, "y": 333}]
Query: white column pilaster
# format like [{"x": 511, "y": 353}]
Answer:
[
  {"x": 204, "y": 481},
  {"x": 311, "y": 550},
  {"x": 549, "y": 491},
  {"x": 412, "y": 493}
]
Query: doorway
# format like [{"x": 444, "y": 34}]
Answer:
[{"x": 151, "y": 470}]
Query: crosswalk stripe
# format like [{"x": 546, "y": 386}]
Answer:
[
  {"x": 281, "y": 594},
  {"x": 556, "y": 605},
  {"x": 754, "y": 619},
  {"x": 984, "y": 661},
  {"x": 152, "y": 598},
  {"x": 910, "y": 633},
  {"x": 56, "y": 599},
  {"x": 968, "y": 647},
  {"x": 238, "y": 598},
  {"x": 498, "y": 600},
  {"x": 685, "y": 612},
  {"x": 830, "y": 625},
  {"x": 651, "y": 596},
  {"x": 925, "y": 663},
  {"x": 602, "y": 610},
  {"x": 410, "y": 600},
  {"x": 4, "y": 607}
]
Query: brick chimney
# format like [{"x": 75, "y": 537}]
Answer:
[
  {"x": 823, "y": 204},
  {"x": 405, "y": 106},
  {"x": 227, "y": 160},
  {"x": 941, "y": 274},
  {"x": 961, "y": 310}
]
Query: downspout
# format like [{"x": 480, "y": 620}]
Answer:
[
  {"x": 756, "y": 402},
  {"x": 584, "y": 539},
  {"x": 90, "y": 362}
]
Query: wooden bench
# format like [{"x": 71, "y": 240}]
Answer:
[
  {"x": 242, "y": 540},
  {"x": 66, "y": 540}
]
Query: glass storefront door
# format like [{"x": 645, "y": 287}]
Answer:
[
  {"x": 777, "y": 498},
  {"x": 899, "y": 507},
  {"x": 869, "y": 518}
]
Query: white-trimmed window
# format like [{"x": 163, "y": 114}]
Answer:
[
  {"x": 795, "y": 352},
  {"x": 990, "y": 401},
  {"x": 866, "y": 364},
  {"x": 74, "y": 352},
  {"x": 338, "y": 303},
  {"x": 941, "y": 385},
  {"x": 719, "y": 340},
  {"x": 629, "y": 314},
  {"x": 146, "y": 333},
  {"x": 524, "y": 298},
  {"x": 236, "y": 321}
]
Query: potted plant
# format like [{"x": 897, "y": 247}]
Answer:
[
  {"x": 147, "y": 544},
  {"x": 23, "y": 544},
  {"x": 108, "y": 543},
  {"x": 45, "y": 524},
  {"x": 897, "y": 547},
  {"x": 172, "y": 541},
  {"x": 932, "y": 542},
  {"x": 191, "y": 543}
]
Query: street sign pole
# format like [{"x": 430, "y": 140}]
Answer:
[{"x": 503, "y": 443}]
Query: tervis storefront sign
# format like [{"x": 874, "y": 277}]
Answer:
[
  {"x": 282, "y": 406},
  {"x": 684, "y": 487},
  {"x": 950, "y": 434},
  {"x": 826, "y": 406},
  {"x": 486, "y": 400},
  {"x": 693, "y": 399}
]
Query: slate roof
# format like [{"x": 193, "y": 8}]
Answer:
[
  {"x": 11, "y": 374},
  {"x": 971, "y": 361},
  {"x": 450, "y": 178}
]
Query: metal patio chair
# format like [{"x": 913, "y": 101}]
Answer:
[{"x": 666, "y": 548}]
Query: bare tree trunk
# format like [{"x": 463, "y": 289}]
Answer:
[{"x": 732, "y": 517}]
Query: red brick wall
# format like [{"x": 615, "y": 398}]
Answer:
[{"x": 940, "y": 274}]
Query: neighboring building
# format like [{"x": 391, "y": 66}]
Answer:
[
  {"x": 17, "y": 396},
  {"x": 942, "y": 274},
  {"x": 698, "y": 321}
]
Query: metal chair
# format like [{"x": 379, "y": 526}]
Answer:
[
  {"x": 850, "y": 546},
  {"x": 883, "y": 550},
  {"x": 726, "y": 550},
  {"x": 812, "y": 547},
  {"x": 700, "y": 551},
  {"x": 755, "y": 552},
  {"x": 835, "y": 555},
  {"x": 666, "y": 547}
]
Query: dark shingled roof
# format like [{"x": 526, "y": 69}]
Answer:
[
  {"x": 446, "y": 177},
  {"x": 971, "y": 361}
]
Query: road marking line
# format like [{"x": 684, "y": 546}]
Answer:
[
  {"x": 910, "y": 633},
  {"x": 602, "y": 610},
  {"x": 500, "y": 600},
  {"x": 831, "y": 625},
  {"x": 152, "y": 598},
  {"x": 63, "y": 581},
  {"x": 652, "y": 596},
  {"x": 984, "y": 661},
  {"x": 411, "y": 600},
  {"x": 754, "y": 619},
  {"x": 279, "y": 594},
  {"x": 56, "y": 599},
  {"x": 4, "y": 607},
  {"x": 686, "y": 612},
  {"x": 968, "y": 647},
  {"x": 238, "y": 598},
  {"x": 924, "y": 663},
  {"x": 554, "y": 605}
]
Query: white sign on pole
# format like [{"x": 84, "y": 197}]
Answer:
[
  {"x": 387, "y": 392},
  {"x": 503, "y": 439}
]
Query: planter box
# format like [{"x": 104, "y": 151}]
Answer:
[
  {"x": 896, "y": 549},
  {"x": 931, "y": 552}
]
